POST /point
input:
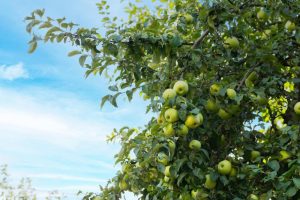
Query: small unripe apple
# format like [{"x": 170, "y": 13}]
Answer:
[
  {"x": 181, "y": 87},
  {"x": 253, "y": 197},
  {"x": 290, "y": 26},
  {"x": 183, "y": 130},
  {"x": 188, "y": 18},
  {"x": 195, "y": 145},
  {"x": 233, "y": 172},
  {"x": 195, "y": 194},
  {"x": 166, "y": 179},
  {"x": 214, "y": 89},
  {"x": 123, "y": 185},
  {"x": 249, "y": 83},
  {"x": 162, "y": 158},
  {"x": 169, "y": 94},
  {"x": 209, "y": 183},
  {"x": 192, "y": 121},
  {"x": 261, "y": 100},
  {"x": 211, "y": 106},
  {"x": 167, "y": 171},
  {"x": 160, "y": 119},
  {"x": 199, "y": 117},
  {"x": 297, "y": 108},
  {"x": 233, "y": 109},
  {"x": 171, "y": 115},
  {"x": 223, "y": 114},
  {"x": 231, "y": 93},
  {"x": 262, "y": 15},
  {"x": 224, "y": 167},
  {"x": 169, "y": 131},
  {"x": 231, "y": 42},
  {"x": 254, "y": 154},
  {"x": 284, "y": 155}
]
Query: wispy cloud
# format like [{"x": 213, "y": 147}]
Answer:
[{"x": 12, "y": 72}]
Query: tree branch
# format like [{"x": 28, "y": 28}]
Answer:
[
  {"x": 200, "y": 39},
  {"x": 246, "y": 75}
]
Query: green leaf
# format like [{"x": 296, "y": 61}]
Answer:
[
  {"x": 297, "y": 182},
  {"x": 73, "y": 53},
  {"x": 274, "y": 165},
  {"x": 82, "y": 60},
  {"x": 291, "y": 191},
  {"x": 32, "y": 47},
  {"x": 104, "y": 99}
]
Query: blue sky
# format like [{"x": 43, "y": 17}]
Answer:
[{"x": 51, "y": 127}]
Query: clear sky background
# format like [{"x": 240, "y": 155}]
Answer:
[{"x": 51, "y": 127}]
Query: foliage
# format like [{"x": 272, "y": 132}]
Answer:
[
  {"x": 249, "y": 46},
  {"x": 23, "y": 190}
]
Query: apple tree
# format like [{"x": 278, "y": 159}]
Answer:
[{"x": 223, "y": 78}]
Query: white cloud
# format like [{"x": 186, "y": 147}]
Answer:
[{"x": 12, "y": 72}]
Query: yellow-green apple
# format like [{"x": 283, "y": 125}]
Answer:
[
  {"x": 231, "y": 42},
  {"x": 209, "y": 183},
  {"x": 167, "y": 171},
  {"x": 188, "y": 18},
  {"x": 261, "y": 100},
  {"x": 169, "y": 94},
  {"x": 183, "y": 130},
  {"x": 192, "y": 121},
  {"x": 297, "y": 108},
  {"x": 290, "y": 26},
  {"x": 223, "y": 114},
  {"x": 160, "y": 119},
  {"x": 214, "y": 89},
  {"x": 231, "y": 93},
  {"x": 253, "y": 197},
  {"x": 123, "y": 185},
  {"x": 181, "y": 87},
  {"x": 195, "y": 194},
  {"x": 224, "y": 167},
  {"x": 253, "y": 76},
  {"x": 266, "y": 34},
  {"x": 169, "y": 131},
  {"x": 254, "y": 154},
  {"x": 261, "y": 15},
  {"x": 171, "y": 115},
  {"x": 166, "y": 179},
  {"x": 284, "y": 155},
  {"x": 233, "y": 172},
  {"x": 195, "y": 145},
  {"x": 212, "y": 106},
  {"x": 162, "y": 158}
]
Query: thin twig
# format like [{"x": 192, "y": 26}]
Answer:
[{"x": 200, "y": 39}]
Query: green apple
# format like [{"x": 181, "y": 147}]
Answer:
[
  {"x": 169, "y": 94},
  {"x": 231, "y": 93},
  {"x": 214, "y": 89},
  {"x": 297, "y": 108},
  {"x": 224, "y": 167},
  {"x": 284, "y": 155},
  {"x": 233, "y": 109},
  {"x": 169, "y": 131},
  {"x": 253, "y": 197},
  {"x": 181, "y": 87},
  {"x": 171, "y": 145},
  {"x": 249, "y": 83},
  {"x": 123, "y": 185},
  {"x": 233, "y": 172},
  {"x": 231, "y": 42},
  {"x": 153, "y": 173},
  {"x": 171, "y": 115},
  {"x": 167, "y": 171},
  {"x": 261, "y": 100},
  {"x": 188, "y": 18},
  {"x": 262, "y": 15},
  {"x": 254, "y": 154},
  {"x": 166, "y": 179},
  {"x": 209, "y": 183},
  {"x": 266, "y": 34},
  {"x": 253, "y": 76},
  {"x": 192, "y": 121},
  {"x": 195, "y": 145},
  {"x": 199, "y": 117},
  {"x": 290, "y": 26},
  {"x": 223, "y": 114},
  {"x": 195, "y": 194},
  {"x": 160, "y": 119},
  {"x": 162, "y": 158},
  {"x": 183, "y": 130},
  {"x": 211, "y": 106}
]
